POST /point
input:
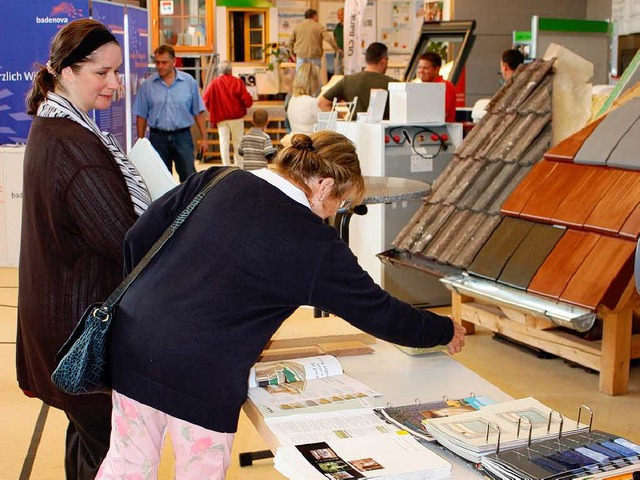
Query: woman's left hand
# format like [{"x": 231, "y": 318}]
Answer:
[{"x": 457, "y": 342}]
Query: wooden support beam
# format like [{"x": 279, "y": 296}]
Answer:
[
  {"x": 616, "y": 352},
  {"x": 456, "y": 311},
  {"x": 558, "y": 343}
]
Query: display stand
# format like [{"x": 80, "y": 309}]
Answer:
[{"x": 610, "y": 356}]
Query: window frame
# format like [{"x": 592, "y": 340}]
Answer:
[{"x": 248, "y": 11}]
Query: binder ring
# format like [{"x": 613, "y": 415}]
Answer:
[
  {"x": 494, "y": 426},
  {"x": 590, "y": 416},
  {"x": 530, "y": 429},
  {"x": 561, "y": 423}
]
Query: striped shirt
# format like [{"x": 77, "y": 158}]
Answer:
[{"x": 256, "y": 148}]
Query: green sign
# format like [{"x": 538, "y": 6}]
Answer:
[
  {"x": 245, "y": 3},
  {"x": 569, "y": 25}
]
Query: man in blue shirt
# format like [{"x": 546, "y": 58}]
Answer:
[{"x": 169, "y": 101}]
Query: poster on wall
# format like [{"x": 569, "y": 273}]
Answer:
[
  {"x": 433, "y": 11},
  {"x": 368, "y": 27},
  {"x": 32, "y": 29},
  {"x": 290, "y": 14},
  {"x": 138, "y": 38},
  {"x": 626, "y": 15},
  {"x": 397, "y": 25},
  {"x": 113, "y": 120}
]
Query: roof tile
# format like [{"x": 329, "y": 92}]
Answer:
[
  {"x": 561, "y": 264},
  {"x": 529, "y": 255},
  {"x": 567, "y": 148},
  {"x": 603, "y": 275},
  {"x": 497, "y": 250},
  {"x": 527, "y": 188}
]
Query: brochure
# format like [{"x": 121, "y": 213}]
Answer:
[
  {"x": 152, "y": 169},
  {"x": 393, "y": 456},
  {"x": 326, "y": 426},
  {"x": 306, "y": 385},
  {"x": 413, "y": 418}
]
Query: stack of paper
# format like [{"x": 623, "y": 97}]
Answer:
[
  {"x": 389, "y": 456},
  {"x": 475, "y": 434}
]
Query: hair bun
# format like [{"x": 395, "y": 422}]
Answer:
[{"x": 303, "y": 142}]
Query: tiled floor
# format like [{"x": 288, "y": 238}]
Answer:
[{"x": 518, "y": 373}]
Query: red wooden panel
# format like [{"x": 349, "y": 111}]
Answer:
[
  {"x": 631, "y": 227},
  {"x": 553, "y": 190},
  {"x": 610, "y": 214},
  {"x": 567, "y": 148},
  {"x": 529, "y": 185},
  {"x": 604, "y": 274},
  {"x": 555, "y": 272},
  {"x": 582, "y": 199}
]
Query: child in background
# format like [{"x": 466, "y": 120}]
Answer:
[{"x": 256, "y": 146}]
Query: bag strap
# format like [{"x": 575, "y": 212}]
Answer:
[{"x": 114, "y": 298}]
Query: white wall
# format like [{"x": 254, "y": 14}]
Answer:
[{"x": 495, "y": 22}]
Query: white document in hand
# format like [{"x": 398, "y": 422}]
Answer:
[{"x": 152, "y": 169}]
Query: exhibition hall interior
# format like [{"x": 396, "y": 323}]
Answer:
[{"x": 498, "y": 143}]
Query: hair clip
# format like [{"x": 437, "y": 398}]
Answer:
[{"x": 51, "y": 70}]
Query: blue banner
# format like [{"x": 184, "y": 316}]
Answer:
[
  {"x": 25, "y": 35},
  {"x": 113, "y": 119},
  {"x": 138, "y": 32}
]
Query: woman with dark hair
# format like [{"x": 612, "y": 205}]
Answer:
[
  {"x": 81, "y": 195},
  {"x": 181, "y": 353}
]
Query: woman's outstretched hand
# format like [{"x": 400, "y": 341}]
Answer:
[{"x": 457, "y": 342}]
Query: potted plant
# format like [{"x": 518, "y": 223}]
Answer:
[
  {"x": 275, "y": 54},
  {"x": 280, "y": 79}
]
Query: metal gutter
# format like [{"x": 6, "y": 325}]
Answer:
[{"x": 562, "y": 314}]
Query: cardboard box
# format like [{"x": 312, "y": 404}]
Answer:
[{"x": 416, "y": 103}]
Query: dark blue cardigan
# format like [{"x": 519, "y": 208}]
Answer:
[{"x": 195, "y": 321}]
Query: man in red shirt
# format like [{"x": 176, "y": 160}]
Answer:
[
  {"x": 429, "y": 71},
  {"x": 227, "y": 100}
]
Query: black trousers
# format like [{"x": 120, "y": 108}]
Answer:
[{"x": 87, "y": 442}]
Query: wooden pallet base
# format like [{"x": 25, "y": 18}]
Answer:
[{"x": 610, "y": 357}]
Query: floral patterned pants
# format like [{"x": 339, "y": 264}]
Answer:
[{"x": 137, "y": 435}]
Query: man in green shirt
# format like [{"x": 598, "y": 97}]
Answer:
[
  {"x": 338, "y": 35},
  {"x": 360, "y": 84}
]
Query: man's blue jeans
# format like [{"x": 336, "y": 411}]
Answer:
[{"x": 175, "y": 148}]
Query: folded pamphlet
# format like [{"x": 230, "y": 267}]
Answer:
[{"x": 152, "y": 169}]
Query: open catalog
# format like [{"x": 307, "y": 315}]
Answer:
[
  {"x": 502, "y": 426},
  {"x": 387, "y": 456},
  {"x": 413, "y": 418},
  {"x": 305, "y": 385}
]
